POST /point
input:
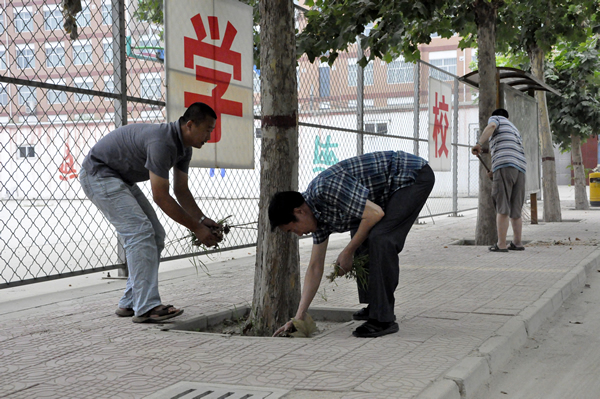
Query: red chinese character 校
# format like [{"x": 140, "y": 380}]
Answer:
[{"x": 440, "y": 127}]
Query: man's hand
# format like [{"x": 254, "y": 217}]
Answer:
[
  {"x": 344, "y": 261},
  {"x": 206, "y": 236},
  {"x": 214, "y": 227},
  {"x": 490, "y": 175},
  {"x": 289, "y": 326},
  {"x": 476, "y": 150}
]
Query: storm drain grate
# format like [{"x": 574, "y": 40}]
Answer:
[{"x": 198, "y": 390}]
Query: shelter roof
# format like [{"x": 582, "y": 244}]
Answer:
[{"x": 513, "y": 77}]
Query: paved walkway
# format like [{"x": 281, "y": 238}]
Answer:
[{"x": 462, "y": 311}]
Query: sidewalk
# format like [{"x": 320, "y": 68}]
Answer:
[{"x": 462, "y": 311}]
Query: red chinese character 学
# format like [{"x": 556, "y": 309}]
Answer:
[
  {"x": 440, "y": 127},
  {"x": 66, "y": 167},
  {"x": 224, "y": 54}
]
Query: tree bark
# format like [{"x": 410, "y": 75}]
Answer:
[
  {"x": 552, "y": 212},
  {"x": 581, "y": 198},
  {"x": 277, "y": 272},
  {"x": 485, "y": 231}
]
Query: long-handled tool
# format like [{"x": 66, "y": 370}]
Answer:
[{"x": 484, "y": 165}]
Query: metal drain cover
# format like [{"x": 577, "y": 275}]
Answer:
[{"x": 199, "y": 390}]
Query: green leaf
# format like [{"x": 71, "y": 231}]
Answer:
[{"x": 304, "y": 328}]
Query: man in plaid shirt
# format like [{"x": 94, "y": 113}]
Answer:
[{"x": 376, "y": 196}]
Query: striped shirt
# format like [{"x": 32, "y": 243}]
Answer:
[
  {"x": 506, "y": 145},
  {"x": 338, "y": 195}
]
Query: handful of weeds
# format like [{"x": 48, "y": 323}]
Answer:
[
  {"x": 223, "y": 228},
  {"x": 358, "y": 271}
]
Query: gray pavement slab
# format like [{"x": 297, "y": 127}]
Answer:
[{"x": 462, "y": 310}]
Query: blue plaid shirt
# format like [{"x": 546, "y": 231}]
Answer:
[{"x": 338, "y": 195}]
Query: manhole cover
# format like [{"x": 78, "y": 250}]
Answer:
[{"x": 198, "y": 390}]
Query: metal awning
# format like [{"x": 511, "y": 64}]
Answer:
[{"x": 513, "y": 77}]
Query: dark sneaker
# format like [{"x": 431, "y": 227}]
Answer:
[
  {"x": 362, "y": 314},
  {"x": 373, "y": 328}
]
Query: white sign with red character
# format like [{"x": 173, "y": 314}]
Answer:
[
  {"x": 440, "y": 132},
  {"x": 208, "y": 58}
]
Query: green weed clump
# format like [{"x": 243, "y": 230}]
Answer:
[{"x": 358, "y": 271}]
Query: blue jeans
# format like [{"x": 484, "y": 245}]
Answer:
[{"x": 143, "y": 237}]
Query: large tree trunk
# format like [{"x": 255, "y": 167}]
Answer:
[
  {"x": 551, "y": 198},
  {"x": 581, "y": 198},
  {"x": 277, "y": 273},
  {"x": 485, "y": 232}
]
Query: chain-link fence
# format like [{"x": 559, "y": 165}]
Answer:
[{"x": 58, "y": 97}]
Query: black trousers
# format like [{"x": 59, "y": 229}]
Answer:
[{"x": 386, "y": 240}]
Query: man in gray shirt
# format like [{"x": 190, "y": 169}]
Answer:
[{"x": 141, "y": 152}]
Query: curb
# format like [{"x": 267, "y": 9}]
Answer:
[{"x": 463, "y": 380}]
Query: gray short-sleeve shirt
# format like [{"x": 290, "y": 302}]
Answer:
[{"x": 131, "y": 151}]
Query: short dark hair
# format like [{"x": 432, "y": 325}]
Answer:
[
  {"x": 197, "y": 112},
  {"x": 281, "y": 208},
  {"x": 500, "y": 112}
]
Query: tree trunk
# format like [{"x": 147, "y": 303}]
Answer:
[
  {"x": 277, "y": 272},
  {"x": 551, "y": 198},
  {"x": 485, "y": 232},
  {"x": 581, "y": 198}
]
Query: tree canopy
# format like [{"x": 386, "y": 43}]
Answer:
[{"x": 575, "y": 72}]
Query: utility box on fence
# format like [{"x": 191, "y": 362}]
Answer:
[{"x": 595, "y": 189}]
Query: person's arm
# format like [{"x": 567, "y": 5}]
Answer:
[
  {"x": 312, "y": 281},
  {"x": 164, "y": 200},
  {"x": 485, "y": 136},
  {"x": 186, "y": 198},
  {"x": 371, "y": 216}
]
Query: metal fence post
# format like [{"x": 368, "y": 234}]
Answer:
[
  {"x": 417, "y": 100},
  {"x": 120, "y": 84},
  {"x": 455, "y": 152},
  {"x": 360, "y": 96}
]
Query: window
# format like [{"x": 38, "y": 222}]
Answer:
[
  {"x": 324, "y": 80},
  {"x": 368, "y": 74},
  {"x": 106, "y": 12},
  {"x": 399, "y": 71},
  {"x": 109, "y": 86},
  {"x": 3, "y": 94},
  {"x": 3, "y": 62},
  {"x": 55, "y": 55},
  {"x": 107, "y": 45},
  {"x": 57, "y": 118},
  {"x": 400, "y": 101},
  {"x": 26, "y": 151},
  {"x": 28, "y": 98},
  {"x": 150, "y": 86},
  {"x": 1, "y": 21},
  {"x": 352, "y": 72},
  {"x": 85, "y": 16},
  {"x": 25, "y": 56},
  {"x": 83, "y": 83},
  {"x": 56, "y": 96},
  {"x": 82, "y": 52},
  {"x": 445, "y": 60},
  {"x": 52, "y": 17},
  {"x": 376, "y": 127},
  {"x": 23, "y": 20}
]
